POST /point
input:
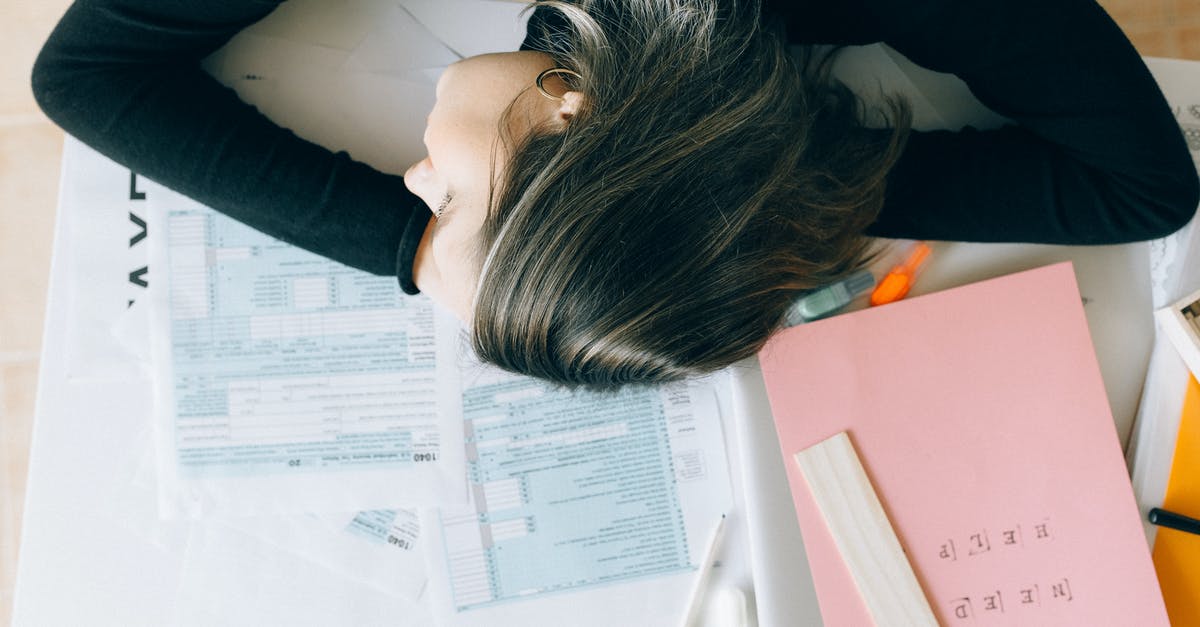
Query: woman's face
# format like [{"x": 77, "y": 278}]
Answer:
[{"x": 467, "y": 156}]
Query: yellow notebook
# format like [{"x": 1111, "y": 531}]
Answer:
[{"x": 1176, "y": 553}]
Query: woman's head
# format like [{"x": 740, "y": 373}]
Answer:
[{"x": 659, "y": 222}]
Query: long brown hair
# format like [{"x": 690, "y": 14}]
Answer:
[{"x": 709, "y": 179}]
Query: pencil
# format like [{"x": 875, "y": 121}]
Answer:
[
  {"x": 698, "y": 589},
  {"x": 1171, "y": 520}
]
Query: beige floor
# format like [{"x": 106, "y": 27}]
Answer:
[{"x": 30, "y": 148}]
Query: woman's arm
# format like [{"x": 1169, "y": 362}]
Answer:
[
  {"x": 1096, "y": 158},
  {"x": 124, "y": 76}
]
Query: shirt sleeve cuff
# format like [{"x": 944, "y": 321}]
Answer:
[{"x": 406, "y": 252}]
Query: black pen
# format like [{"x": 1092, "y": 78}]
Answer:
[{"x": 1163, "y": 518}]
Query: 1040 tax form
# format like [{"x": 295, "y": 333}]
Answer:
[{"x": 288, "y": 382}]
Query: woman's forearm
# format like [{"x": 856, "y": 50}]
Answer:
[
  {"x": 124, "y": 76},
  {"x": 1096, "y": 156}
]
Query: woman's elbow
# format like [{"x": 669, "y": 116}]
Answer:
[
  {"x": 1177, "y": 202},
  {"x": 1156, "y": 202},
  {"x": 49, "y": 81}
]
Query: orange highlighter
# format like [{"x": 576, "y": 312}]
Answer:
[{"x": 896, "y": 284}]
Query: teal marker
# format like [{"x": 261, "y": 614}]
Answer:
[{"x": 829, "y": 299}]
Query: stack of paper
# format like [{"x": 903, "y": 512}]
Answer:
[{"x": 269, "y": 413}]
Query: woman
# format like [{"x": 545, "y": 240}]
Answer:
[{"x": 640, "y": 192}]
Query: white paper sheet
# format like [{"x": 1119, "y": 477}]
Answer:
[
  {"x": 395, "y": 36},
  {"x": 354, "y": 75},
  {"x": 586, "y": 509},
  {"x": 334, "y": 24},
  {"x": 377, "y": 116},
  {"x": 103, "y": 209},
  {"x": 448, "y": 20},
  {"x": 381, "y": 549},
  {"x": 287, "y": 383},
  {"x": 230, "y": 578}
]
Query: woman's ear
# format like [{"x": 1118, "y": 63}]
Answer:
[{"x": 571, "y": 102}]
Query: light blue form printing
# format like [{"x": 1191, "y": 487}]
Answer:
[
  {"x": 285, "y": 361},
  {"x": 570, "y": 490},
  {"x": 399, "y": 528},
  {"x": 373, "y": 525}
]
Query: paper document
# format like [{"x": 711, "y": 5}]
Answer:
[
  {"x": 396, "y": 527},
  {"x": 581, "y": 506},
  {"x": 446, "y": 19},
  {"x": 290, "y": 383},
  {"x": 380, "y": 549}
]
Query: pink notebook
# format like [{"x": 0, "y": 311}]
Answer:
[{"x": 980, "y": 416}]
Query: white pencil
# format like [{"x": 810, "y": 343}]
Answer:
[{"x": 710, "y": 553}]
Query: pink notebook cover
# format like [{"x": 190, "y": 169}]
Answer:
[{"x": 980, "y": 416}]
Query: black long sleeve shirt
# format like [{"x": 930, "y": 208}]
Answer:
[{"x": 1095, "y": 155}]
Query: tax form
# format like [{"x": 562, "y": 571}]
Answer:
[
  {"x": 379, "y": 549},
  {"x": 292, "y": 383},
  {"x": 588, "y": 508}
]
